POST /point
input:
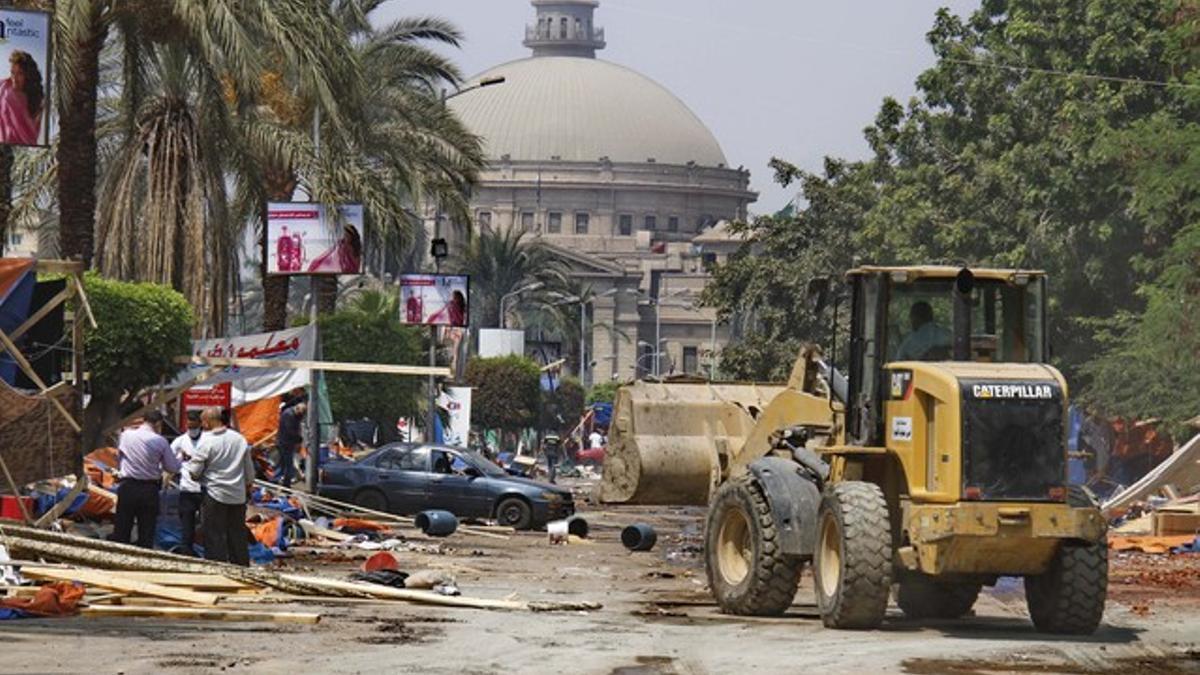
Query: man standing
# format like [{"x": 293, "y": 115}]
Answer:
[
  {"x": 596, "y": 439},
  {"x": 552, "y": 448},
  {"x": 288, "y": 438},
  {"x": 191, "y": 495},
  {"x": 143, "y": 456},
  {"x": 222, "y": 463}
]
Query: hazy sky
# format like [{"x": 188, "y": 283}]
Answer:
[{"x": 797, "y": 79}]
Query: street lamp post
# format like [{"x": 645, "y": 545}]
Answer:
[{"x": 504, "y": 299}]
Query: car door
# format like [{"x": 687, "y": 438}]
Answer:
[
  {"x": 404, "y": 476},
  {"x": 451, "y": 489}
]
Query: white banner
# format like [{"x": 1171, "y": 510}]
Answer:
[
  {"x": 456, "y": 401},
  {"x": 252, "y": 384}
]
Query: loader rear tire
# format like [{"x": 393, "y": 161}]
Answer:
[
  {"x": 921, "y": 597},
  {"x": 852, "y": 568},
  {"x": 747, "y": 571},
  {"x": 1068, "y": 597}
]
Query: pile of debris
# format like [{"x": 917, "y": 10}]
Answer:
[
  {"x": 1161, "y": 512},
  {"x": 77, "y": 575}
]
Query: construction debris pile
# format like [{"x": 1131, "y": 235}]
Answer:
[{"x": 1160, "y": 513}]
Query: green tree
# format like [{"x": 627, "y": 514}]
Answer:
[
  {"x": 141, "y": 329},
  {"x": 369, "y": 331},
  {"x": 562, "y": 408},
  {"x": 604, "y": 392},
  {"x": 1019, "y": 150},
  {"x": 506, "y": 392},
  {"x": 503, "y": 262}
]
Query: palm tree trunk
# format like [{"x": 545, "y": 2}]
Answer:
[
  {"x": 280, "y": 185},
  {"x": 6, "y": 189},
  {"x": 77, "y": 143},
  {"x": 327, "y": 292}
]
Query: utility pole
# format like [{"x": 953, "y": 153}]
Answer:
[{"x": 314, "y": 376}]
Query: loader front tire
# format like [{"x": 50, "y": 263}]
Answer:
[
  {"x": 852, "y": 567},
  {"x": 921, "y": 597},
  {"x": 1069, "y": 597},
  {"x": 747, "y": 571}
]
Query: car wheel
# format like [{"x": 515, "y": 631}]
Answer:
[
  {"x": 371, "y": 499},
  {"x": 514, "y": 512}
]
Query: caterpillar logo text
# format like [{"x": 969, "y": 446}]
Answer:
[{"x": 1022, "y": 391}]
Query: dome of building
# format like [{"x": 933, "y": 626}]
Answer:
[{"x": 580, "y": 109}]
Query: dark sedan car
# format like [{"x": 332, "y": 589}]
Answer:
[{"x": 407, "y": 479}]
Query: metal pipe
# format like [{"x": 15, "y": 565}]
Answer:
[
  {"x": 712, "y": 352},
  {"x": 657, "y": 339},
  {"x": 583, "y": 368}
]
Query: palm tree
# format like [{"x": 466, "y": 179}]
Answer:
[
  {"x": 502, "y": 263},
  {"x": 163, "y": 213}
]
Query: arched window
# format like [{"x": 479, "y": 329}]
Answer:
[{"x": 562, "y": 28}]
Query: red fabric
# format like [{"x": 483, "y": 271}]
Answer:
[
  {"x": 60, "y": 598},
  {"x": 380, "y": 561},
  {"x": 12, "y": 270}
]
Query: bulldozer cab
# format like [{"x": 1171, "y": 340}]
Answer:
[{"x": 935, "y": 313}]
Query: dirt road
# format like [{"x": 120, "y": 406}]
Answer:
[{"x": 657, "y": 618}]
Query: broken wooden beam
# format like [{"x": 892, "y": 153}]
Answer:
[{"x": 198, "y": 613}]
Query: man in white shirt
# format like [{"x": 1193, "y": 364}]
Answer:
[
  {"x": 223, "y": 464},
  {"x": 191, "y": 494},
  {"x": 596, "y": 439}
]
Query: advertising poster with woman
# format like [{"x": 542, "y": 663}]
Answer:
[
  {"x": 25, "y": 87},
  {"x": 433, "y": 299},
  {"x": 306, "y": 238}
]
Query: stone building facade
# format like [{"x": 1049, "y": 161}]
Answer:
[{"x": 620, "y": 177}]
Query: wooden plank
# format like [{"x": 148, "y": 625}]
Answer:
[
  {"x": 207, "y": 582},
  {"x": 37, "y": 316},
  {"x": 199, "y": 614},
  {"x": 60, "y": 266},
  {"x": 410, "y": 595},
  {"x": 334, "y": 366},
  {"x": 32, "y": 375},
  {"x": 103, "y": 579},
  {"x": 57, "y": 510},
  {"x": 83, "y": 301}
]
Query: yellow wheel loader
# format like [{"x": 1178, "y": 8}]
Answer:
[{"x": 937, "y": 465}]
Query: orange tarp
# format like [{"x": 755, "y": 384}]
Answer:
[
  {"x": 258, "y": 420},
  {"x": 60, "y": 598},
  {"x": 97, "y": 463},
  {"x": 360, "y": 525},
  {"x": 1149, "y": 544}
]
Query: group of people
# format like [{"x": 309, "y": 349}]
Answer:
[{"x": 216, "y": 476}]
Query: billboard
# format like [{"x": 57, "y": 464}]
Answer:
[
  {"x": 25, "y": 92},
  {"x": 433, "y": 299},
  {"x": 307, "y": 238}
]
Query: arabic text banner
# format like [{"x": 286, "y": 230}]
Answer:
[
  {"x": 252, "y": 384},
  {"x": 306, "y": 238},
  {"x": 434, "y": 299}
]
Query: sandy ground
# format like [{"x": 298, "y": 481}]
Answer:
[{"x": 657, "y": 619}]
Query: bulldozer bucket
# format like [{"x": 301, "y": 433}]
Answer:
[{"x": 673, "y": 442}]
